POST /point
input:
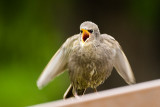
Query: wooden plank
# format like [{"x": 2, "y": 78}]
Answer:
[{"x": 145, "y": 94}]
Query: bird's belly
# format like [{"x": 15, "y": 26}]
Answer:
[
  {"x": 89, "y": 66},
  {"x": 89, "y": 71},
  {"x": 89, "y": 76}
]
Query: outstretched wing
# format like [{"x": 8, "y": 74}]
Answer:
[
  {"x": 58, "y": 63},
  {"x": 120, "y": 61}
]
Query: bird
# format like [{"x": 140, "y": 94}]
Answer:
[{"x": 89, "y": 58}]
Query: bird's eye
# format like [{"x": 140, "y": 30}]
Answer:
[
  {"x": 81, "y": 31},
  {"x": 90, "y": 31}
]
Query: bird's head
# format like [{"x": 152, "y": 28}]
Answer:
[{"x": 89, "y": 31}]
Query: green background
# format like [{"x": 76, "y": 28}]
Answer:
[{"x": 31, "y": 31}]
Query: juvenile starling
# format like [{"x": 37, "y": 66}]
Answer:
[{"x": 89, "y": 58}]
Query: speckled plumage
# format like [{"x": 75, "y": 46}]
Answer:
[
  {"x": 89, "y": 65},
  {"x": 89, "y": 57}
]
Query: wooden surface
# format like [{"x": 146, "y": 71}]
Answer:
[{"x": 145, "y": 94}]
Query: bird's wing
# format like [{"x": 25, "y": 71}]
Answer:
[
  {"x": 120, "y": 61},
  {"x": 58, "y": 63}
]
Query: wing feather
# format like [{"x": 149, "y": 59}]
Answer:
[
  {"x": 123, "y": 67},
  {"x": 57, "y": 64},
  {"x": 120, "y": 60}
]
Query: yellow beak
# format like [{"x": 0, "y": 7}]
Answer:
[{"x": 85, "y": 35}]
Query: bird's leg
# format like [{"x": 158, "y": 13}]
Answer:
[
  {"x": 84, "y": 91},
  {"x": 76, "y": 95},
  {"x": 74, "y": 91},
  {"x": 95, "y": 90},
  {"x": 68, "y": 92}
]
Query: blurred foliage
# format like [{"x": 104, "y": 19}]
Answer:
[
  {"x": 31, "y": 31},
  {"x": 28, "y": 40}
]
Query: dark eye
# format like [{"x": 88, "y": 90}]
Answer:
[
  {"x": 90, "y": 31},
  {"x": 81, "y": 31}
]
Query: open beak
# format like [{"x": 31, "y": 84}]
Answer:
[{"x": 85, "y": 35}]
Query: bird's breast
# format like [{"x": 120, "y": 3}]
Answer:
[{"x": 89, "y": 66}]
